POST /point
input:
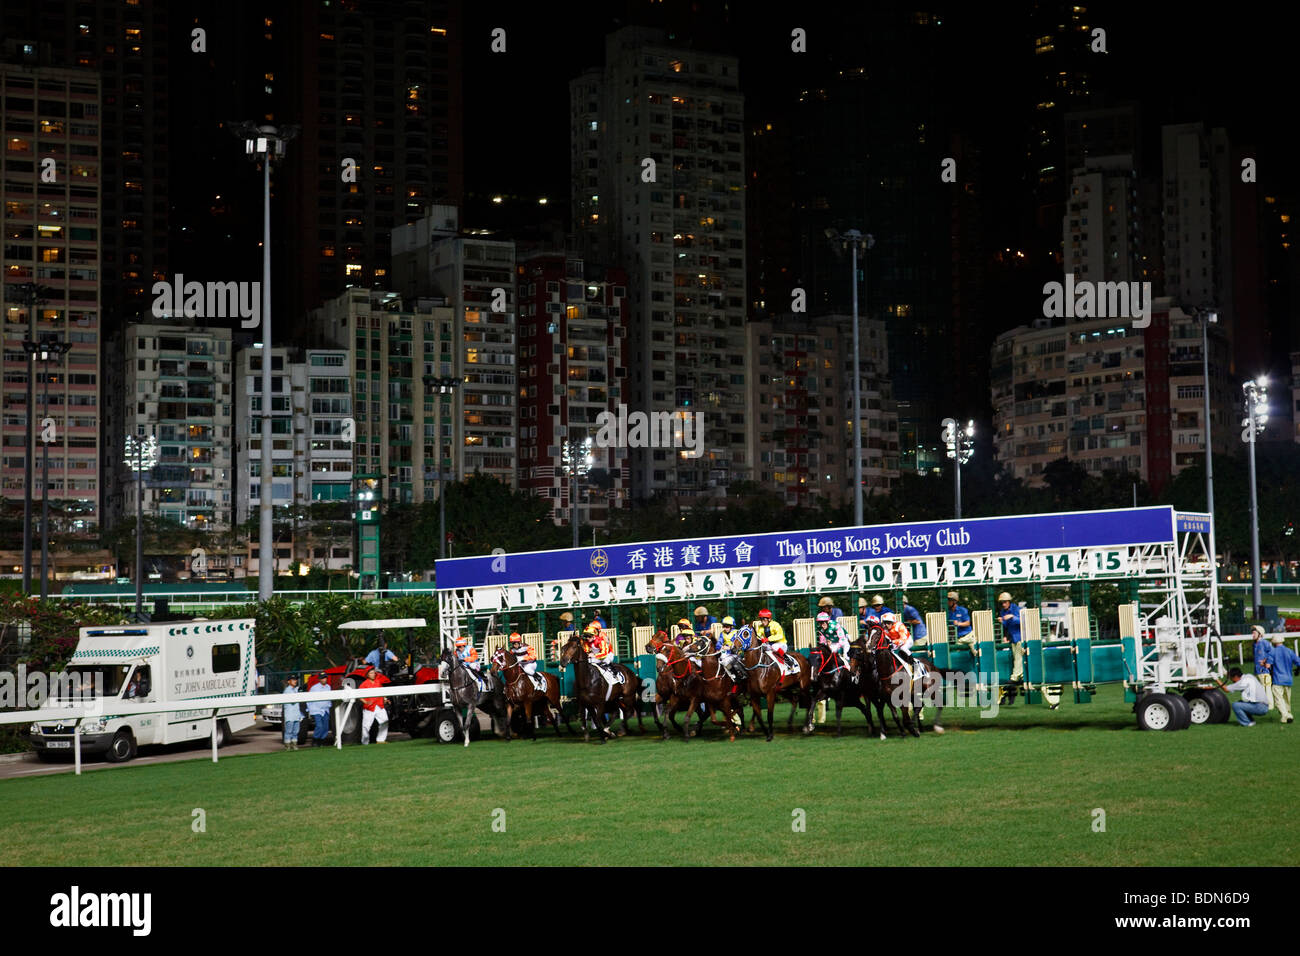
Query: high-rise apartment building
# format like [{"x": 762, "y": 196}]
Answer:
[
  {"x": 657, "y": 147},
  {"x": 1108, "y": 396},
  {"x": 376, "y": 87},
  {"x": 128, "y": 47},
  {"x": 475, "y": 278},
  {"x": 801, "y": 408},
  {"x": 50, "y": 179},
  {"x": 174, "y": 382},
  {"x": 1103, "y": 219},
  {"x": 572, "y": 370}
]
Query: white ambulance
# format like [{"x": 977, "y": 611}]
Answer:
[{"x": 156, "y": 664}]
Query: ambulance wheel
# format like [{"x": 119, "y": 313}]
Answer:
[
  {"x": 223, "y": 734},
  {"x": 122, "y": 748}
]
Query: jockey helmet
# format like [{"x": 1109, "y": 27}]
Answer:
[
  {"x": 728, "y": 621},
  {"x": 888, "y": 618},
  {"x": 684, "y": 623},
  {"x": 877, "y": 601},
  {"x": 823, "y": 616},
  {"x": 1004, "y": 596},
  {"x": 765, "y": 615},
  {"x": 461, "y": 642},
  {"x": 516, "y": 638},
  {"x": 590, "y": 630}
]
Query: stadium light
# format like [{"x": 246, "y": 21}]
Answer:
[
  {"x": 1253, "y": 426},
  {"x": 961, "y": 446}
]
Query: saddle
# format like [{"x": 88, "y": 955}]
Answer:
[
  {"x": 611, "y": 676},
  {"x": 539, "y": 681}
]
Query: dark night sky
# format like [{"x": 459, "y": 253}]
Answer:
[{"x": 1225, "y": 68}]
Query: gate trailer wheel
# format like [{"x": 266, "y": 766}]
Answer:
[
  {"x": 1221, "y": 706},
  {"x": 1157, "y": 712},
  {"x": 1202, "y": 711},
  {"x": 1183, "y": 710}
]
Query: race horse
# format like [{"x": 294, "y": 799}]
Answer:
[
  {"x": 713, "y": 686},
  {"x": 767, "y": 681},
  {"x": 465, "y": 692},
  {"x": 672, "y": 671},
  {"x": 862, "y": 663},
  {"x": 595, "y": 696},
  {"x": 902, "y": 687},
  {"x": 520, "y": 691},
  {"x": 832, "y": 679}
]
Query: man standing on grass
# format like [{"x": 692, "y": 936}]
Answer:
[
  {"x": 292, "y": 715},
  {"x": 1252, "y": 703},
  {"x": 1263, "y": 653},
  {"x": 1282, "y": 663},
  {"x": 320, "y": 712},
  {"x": 373, "y": 711}
]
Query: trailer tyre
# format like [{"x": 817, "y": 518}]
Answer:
[
  {"x": 1222, "y": 708},
  {"x": 1202, "y": 711},
  {"x": 1183, "y": 711},
  {"x": 122, "y": 748},
  {"x": 1156, "y": 712}
]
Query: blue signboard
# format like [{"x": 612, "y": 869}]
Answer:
[
  {"x": 1082, "y": 529},
  {"x": 1190, "y": 523}
]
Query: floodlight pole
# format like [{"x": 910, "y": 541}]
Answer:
[
  {"x": 263, "y": 142},
  {"x": 1255, "y": 404}
]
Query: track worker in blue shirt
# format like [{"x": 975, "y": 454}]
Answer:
[
  {"x": 1282, "y": 661},
  {"x": 913, "y": 621},
  {"x": 960, "y": 616},
  {"x": 1263, "y": 654}
]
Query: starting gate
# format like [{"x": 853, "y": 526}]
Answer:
[{"x": 1159, "y": 558}]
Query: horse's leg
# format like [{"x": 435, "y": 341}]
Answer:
[
  {"x": 510, "y": 714},
  {"x": 469, "y": 715},
  {"x": 839, "y": 715},
  {"x": 938, "y": 707},
  {"x": 686, "y": 730},
  {"x": 528, "y": 717}
]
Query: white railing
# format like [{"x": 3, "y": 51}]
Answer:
[
  {"x": 1241, "y": 640},
  {"x": 241, "y": 595},
  {"x": 122, "y": 708}
]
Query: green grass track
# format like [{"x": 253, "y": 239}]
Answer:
[{"x": 1018, "y": 789}]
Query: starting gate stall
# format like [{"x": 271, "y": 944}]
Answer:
[{"x": 1159, "y": 559}]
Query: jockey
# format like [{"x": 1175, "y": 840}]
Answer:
[
  {"x": 685, "y": 633},
  {"x": 468, "y": 655},
  {"x": 524, "y": 653},
  {"x": 728, "y": 645},
  {"x": 830, "y": 633},
  {"x": 599, "y": 652},
  {"x": 898, "y": 635},
  {"x": 770, "y": 633}
]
